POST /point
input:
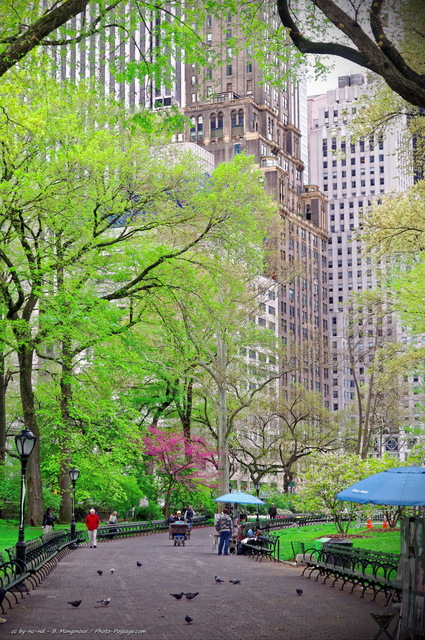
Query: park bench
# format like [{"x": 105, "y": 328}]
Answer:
[
  {"x": 267, "y": 547},
  {"x": 369, "y": 569},
  {"x": 42, "y": 554}
]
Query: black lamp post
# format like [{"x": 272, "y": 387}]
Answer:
[
  {"x": 25, "y": 442},
  {"x": 73, "y": 474},
  {"x": 257, "y": 489}
]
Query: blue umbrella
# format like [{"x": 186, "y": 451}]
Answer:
[
  {"x": 239, "y": 498},
  {"x": 401, "y": 486}
]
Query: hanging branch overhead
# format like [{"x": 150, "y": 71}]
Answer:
[{"x": 378, "y": 54}]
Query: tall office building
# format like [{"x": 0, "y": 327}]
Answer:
[
  {"x": 354, "y": 174},
  {"x": 231, "y": 110}
]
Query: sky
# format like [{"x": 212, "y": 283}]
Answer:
[{"x": 341, "y": 68}]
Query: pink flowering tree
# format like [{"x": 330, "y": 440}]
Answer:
[{"x": 179, "y": 463}]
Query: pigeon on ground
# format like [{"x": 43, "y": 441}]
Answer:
[
  {"x": 75, "y": 603},
  {"x": 100, "y": 572},
  {"x": 190, "y": 596},
  {"x": 235, "y": 581},
  {"x": 139, "y": 564},
  {"x": 217, "y": 579},
  {"x": 104, "y": 602},
  {"x": 188, "y": 619},
  {"x": 177, "y": 596},
  {"x": 299, "y": 591}
]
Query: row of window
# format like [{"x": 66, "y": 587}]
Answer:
[
  {"x": 343, "y": 161},
  {"x": 237, "y": 119},
  {"x": 353, "y": 146},
  {"x": 354, "y": 184}
]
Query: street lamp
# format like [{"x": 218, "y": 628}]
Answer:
[
  {"x": 73, "y": 475},
  {"x": 25, "y": 443},
  {"x": 257, "y": 489}
]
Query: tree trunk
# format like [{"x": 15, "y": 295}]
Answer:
[
  {"x": 34, "y": 486},
  {"x": 65, "y": 511},
  {"x": 222, "y": 438},
  {"x": 3, "y": 387}
]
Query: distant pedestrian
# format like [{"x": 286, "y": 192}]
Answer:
[
  {"x": 188, "y": 516},
  {"x": 48, "y": 521},
  {"x": 171, "y": 518},
  {"x": 92, "y": 523},
  {"x": 272, "y": 512},
  {"x": 224, "y": 527},
  {"x": 113, "y": 529}
]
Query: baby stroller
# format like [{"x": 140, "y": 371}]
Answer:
[{"x": 179, "y": 532}]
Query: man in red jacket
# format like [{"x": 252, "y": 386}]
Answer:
[{"x": 92, "y": 523}]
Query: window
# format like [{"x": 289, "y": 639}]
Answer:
[
  {"x": 200, "y": 127},
  {"x": 249, "y": 86},
  {"x": 229, "y": 70},
  {"x": 249, "y": 67}
]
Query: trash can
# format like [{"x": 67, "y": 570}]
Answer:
[
  {"x": 341, "y": 543},
  {"x": 318, "y": 544}
]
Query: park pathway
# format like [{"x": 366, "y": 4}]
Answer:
[{"x": 264, "y": 606}]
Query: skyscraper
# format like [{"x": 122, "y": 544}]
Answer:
[
  {"x": 354, "y": 173},
  {"x": 233, "y": 110}
]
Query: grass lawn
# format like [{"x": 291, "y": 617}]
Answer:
[
  {"x": 9, "y": 530},
  {"x": 375, "y": 539}
]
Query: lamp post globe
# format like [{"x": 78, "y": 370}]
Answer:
[
  {"x": 73, "y": 475},
  {"x": 25, "y": 443}
]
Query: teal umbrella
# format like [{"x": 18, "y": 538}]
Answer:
[
  {"x": 238, "y": 497},
  {"x": 400, "y": 486}
]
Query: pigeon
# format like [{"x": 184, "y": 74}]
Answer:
[
  {"x": 188, "y": 619},
  {"x": 100, "y": 572},
  {"x": 104, "y": 602},
  {"x": 190, "y": 596},
  {"x": 217, "y": 579},
  {"x": 299, "y": 591},
  {"x": 177, "y": 596},
  {"x": 112, "y": 570},
  {"x": 235, "y": 581},
  {"x": 139, "y": 564},
  {"x": 75, "y": 603}
]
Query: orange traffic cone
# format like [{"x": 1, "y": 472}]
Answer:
[
  {"x": 385, "y": 523},
  {"x": 369, "y": 524}
]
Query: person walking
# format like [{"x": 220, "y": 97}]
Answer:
[
  {"x": 272, "y": 512},
  {"x": 48, "y": 521},
  {"x": 188, "y": 516},
  {"x": 92, "y": 523},
  {"x": 113, "y": 520},
  {"x": 224, "y": 526}
]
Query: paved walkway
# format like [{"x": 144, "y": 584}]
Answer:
[{"x": 264, "y": 605}]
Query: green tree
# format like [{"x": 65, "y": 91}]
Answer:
[
  {"x": 330, "y": 474},
  {"x": 139, "y": 211},
  {"x": 281, "y": 433}
]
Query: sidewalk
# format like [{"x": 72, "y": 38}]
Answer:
[{"x": 265, "y": 604}]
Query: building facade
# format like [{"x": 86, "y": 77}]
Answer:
[
  {"x": 354, "y": 174},
  {"x": 232, "y": 110}
]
